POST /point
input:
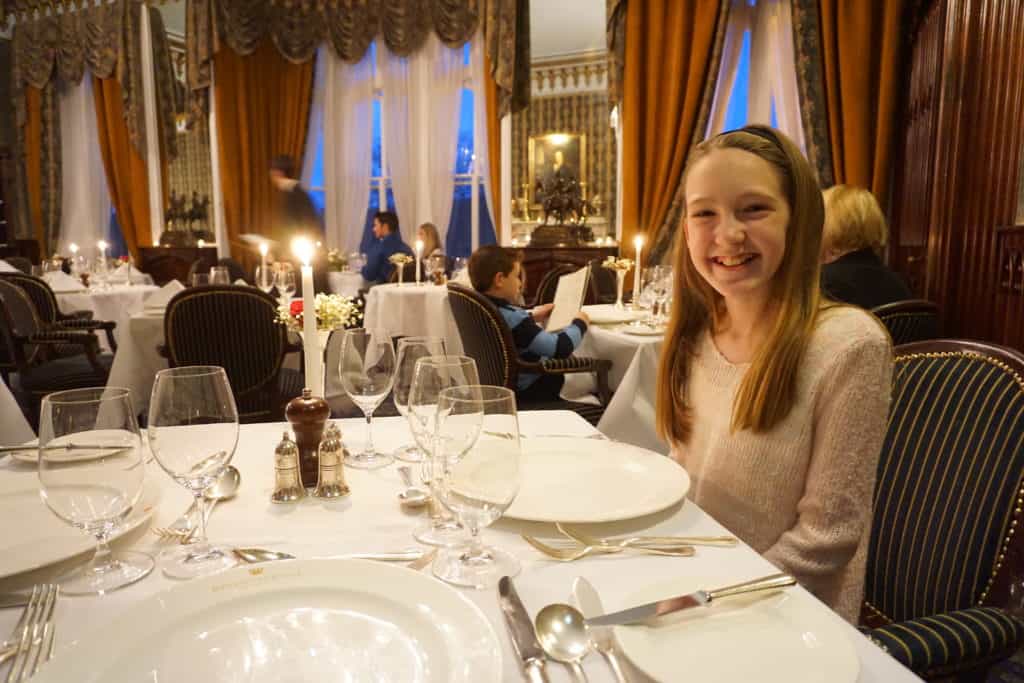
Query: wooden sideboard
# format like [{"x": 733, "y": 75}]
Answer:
[
  {"x": 173, "y": 263},
  {"x": 539, "y": 260}
]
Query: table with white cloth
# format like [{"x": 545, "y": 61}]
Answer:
[
  {"x": 411, "y": 310},
  {"x": 116, "y": 303},
  {"x": 370, "y": 519},
  {"x": 345, "y": 282},
  {"x": 609, "y": 343},
  {"x": 14, "y": 428},
  {"x": 629, "y": 416}
]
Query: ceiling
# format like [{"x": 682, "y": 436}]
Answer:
[{"x": 566, "y": 27}]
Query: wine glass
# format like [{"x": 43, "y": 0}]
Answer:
[
  {"x": 193, "y": 431},
  {"x": 95, "y": 481},
  {"x": 200, "y": 279},
  {"x": 430, "y": 377},
  {"x": 219, "y": 275},
  {"x": 265, "y": 278},
  {"x": 284, "y": 280},
  {"x": 476, "y": 476},
  {"x": 410, "y": 350},
  {"x": 367, "y": 369}
]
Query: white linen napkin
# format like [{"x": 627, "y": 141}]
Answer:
[
  {"x": 158, "y": 300},
  {"x": 60, "y": 281},
  {"x": 6, "y": 267}
]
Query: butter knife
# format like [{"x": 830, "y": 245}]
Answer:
[
  {"x": 520, "y": 626},
  {"x": 589, "y": 603},
  {"x": 701, "y": 598}
]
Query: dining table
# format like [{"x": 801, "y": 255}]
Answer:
[
  {"x": 117, "y": 303},
  {"x": 14, "y": 428},
  {"x": 370, "y": 518},
  {"x": 409, "y": 309}
]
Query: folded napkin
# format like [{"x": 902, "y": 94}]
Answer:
[
  {"x": 158, "y": 300},
  {"x": 60, "y": 281},
  {"x": 241, "y": 282},
  {"x": 6, "y": 267}
]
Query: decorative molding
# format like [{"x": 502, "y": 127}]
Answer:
[{"x": 583, "y": 72}]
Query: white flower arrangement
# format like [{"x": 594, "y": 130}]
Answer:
[
  {"x": 400, "y": 259},
  {"x": 333, "y": 311},
  {"x": 620, "y": 264}
]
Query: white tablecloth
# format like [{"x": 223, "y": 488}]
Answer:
[
  {"x": 118, "y": 303},
  {"x": 610, "y": 344},
  {"x": 14, "y": 428},
  {"x": 629, "y": 416},
  {"x": 371, "y": 520},
  {"x": 409, "y": 310},
  {"x": 346, "y": 283}
]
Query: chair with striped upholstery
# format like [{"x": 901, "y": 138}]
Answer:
[
  {"x": 41, "y": 294},
  {"x": 487, "y": 339},
  {"x": 948, "y": 501},
  {"x": 235, "y": 328},
  {"x": 25, "y": 339},
  {"x": 910, "y": 321}
]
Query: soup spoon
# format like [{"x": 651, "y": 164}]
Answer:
[{"x": 563, "y": 635}]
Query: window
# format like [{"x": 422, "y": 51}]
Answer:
[{"x": 736, "y": 116}]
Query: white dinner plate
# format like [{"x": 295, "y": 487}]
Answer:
[
  {"x": 573, "y": 479},
  {"x": 642, "y": 330},
  {"x": 297, "y": 620},
  {"x": 607, "y": 314},
  {"x": 780, "y": 637},
  {"x": 31, "y": 536},
  {"x": 30, "y": 454}
]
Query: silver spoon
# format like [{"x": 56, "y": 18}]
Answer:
[
  {"x": 413, "y": 496},
  {"x": 563, "y": 635}
]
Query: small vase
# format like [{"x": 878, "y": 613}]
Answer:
[
  {"x": 620, "y": 284},
  {"x": 322, "y": 337},
  {"x": 401, "y": 274}
]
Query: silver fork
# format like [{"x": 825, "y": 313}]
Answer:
[
  {"x": 644, "y": 541},
  {"x": 35, "y": 625},
  {"x": 578, "y": 552}
]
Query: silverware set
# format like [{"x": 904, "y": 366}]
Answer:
[
  {"x": 184, "y": 528},
  {"x": 32, "y": 642},
  {"x": 577, "y": 545}
]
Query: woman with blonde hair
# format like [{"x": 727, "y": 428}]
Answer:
[
  {"x": 431, "y": 240},
  {"x": 774, "y": 399},
  {"x": 854, "y": 240}
]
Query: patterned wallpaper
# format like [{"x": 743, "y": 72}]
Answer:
[
  {"x": 586, "y": 113},
  {"x": 190, "y": 171}
]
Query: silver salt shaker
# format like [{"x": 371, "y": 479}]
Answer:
[
  {"x": 287, "y": 485},
  {"x": 331, "y": 480}
]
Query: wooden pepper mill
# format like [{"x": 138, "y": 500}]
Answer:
[{"x": 308, "y": 415}]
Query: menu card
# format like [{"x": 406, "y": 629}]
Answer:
[{"x": 569, "y": 296}]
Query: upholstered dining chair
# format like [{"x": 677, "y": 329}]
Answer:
[
  {"x": 25, "y": 337},
  {"x": 235, "y": 328},
  {"x": 487, "y": 339},
  {"x": 603, "y": 288},
  {"x": 45, "y": 301},
  {"x": 945, "y": 544},
  {"x": 909, "y": 321},
  {"x": 549, "y": 283}
]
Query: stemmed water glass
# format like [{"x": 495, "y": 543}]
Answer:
[
  {"x": 193, "y": 431},
  {"x": 431, "y": 376},
  {"x": 94, "y": 483},
  {"x": 367, "y": 370},
  {"x": 265, "y": 278},
  {"x": 661, "y": 284},
  {"x": 476, "y": 473},
  {"x": 410, "y": 350},
  {"x": 284, "y": 280}
]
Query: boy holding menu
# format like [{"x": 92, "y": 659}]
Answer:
[{"x": 496, "y": 273}]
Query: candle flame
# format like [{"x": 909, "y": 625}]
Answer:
[
  {"x": 102, "y": 245},
  {"x": 638, "y": 241},
  {"x": 264, "y": 248},
  {"x": 419, "y": 246},
  {"x": 73, "y": 248},
  {"x": 202, "y": 243},
  {"x": 303, "y": 250}
]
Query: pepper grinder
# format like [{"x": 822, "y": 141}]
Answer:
[
  {"x": 287, "y": 487},
  {"x": 331, "y": 483},
  {"x": 308, "y": 415}
]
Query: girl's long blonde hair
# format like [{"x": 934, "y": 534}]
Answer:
[
  {"x": 432, "y": 239},
  {"x": 768, "y": 388}
]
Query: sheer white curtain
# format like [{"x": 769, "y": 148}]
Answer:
[
  {"x": 422, "y": 94},
  {"x": 482, "y": 161},
  {"x": 347, "y": 148},
  {"x": 772, "y": 67},
  {"x": 85, "y": 200},
  {"x": 314, "y": 137}
]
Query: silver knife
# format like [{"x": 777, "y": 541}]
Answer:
[
  {"x": 699, "y": 598},
  {"x": 520, "y": 626},
  {"x": 13, "y": 600}
]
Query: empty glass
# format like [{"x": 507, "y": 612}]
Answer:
[
  {"x": 367, "y": 369},
  {"x": 476, "y": 473},
  {"x": 265, "y": 278},
  {"x": 410, "y": 350},
  {"x": 193, "y": 431},
  {"x": 199, "y": 279},
  {"x": 91, "y": 474},
  {"x": 284, "y": 280},
  {"x": 219, "y": 275},
  {"x": 431, "y": 376}
]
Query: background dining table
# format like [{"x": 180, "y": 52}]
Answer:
[
  {"x": 370, "y": 519},
  {"x": 14, "y": 428},
  {"x": 117, "y": 303},
  {"x": 410, "y": 309}
]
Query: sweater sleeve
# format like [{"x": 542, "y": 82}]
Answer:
[
  {"x": 531, "y": 337},
  {"x": 851, "y": 414}
]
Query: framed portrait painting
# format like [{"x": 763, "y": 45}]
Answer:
[{"x": 562, "y": 155}]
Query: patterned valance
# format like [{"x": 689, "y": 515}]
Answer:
[{"x": 298, "y": 27}]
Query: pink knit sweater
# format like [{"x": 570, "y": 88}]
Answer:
[{"x": 801, "y": 493}]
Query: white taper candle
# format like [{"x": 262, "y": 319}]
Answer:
[{"x": 303, "y": 249}]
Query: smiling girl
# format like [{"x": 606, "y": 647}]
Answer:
[{"x": 774, "y": 399}]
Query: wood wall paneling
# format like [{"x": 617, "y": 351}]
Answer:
[{"x": 957, "y": 171}]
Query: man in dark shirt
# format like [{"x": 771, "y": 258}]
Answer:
[
  {"x": 297, "y": 216},
  {"x": 387, "y": 242}
]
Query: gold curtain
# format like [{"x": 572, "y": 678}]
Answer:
[
  {"x": 34, "y": 163},
  {"x": 262, "y": 103},
  {"x": 491, "y": 97},
  {"x": 668, "y": 60},
  {"x": 127, "y": 177},
  {"x": 860, "y": 45}
]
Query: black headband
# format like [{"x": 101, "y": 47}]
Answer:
[{"x": 763, "y": 133}]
